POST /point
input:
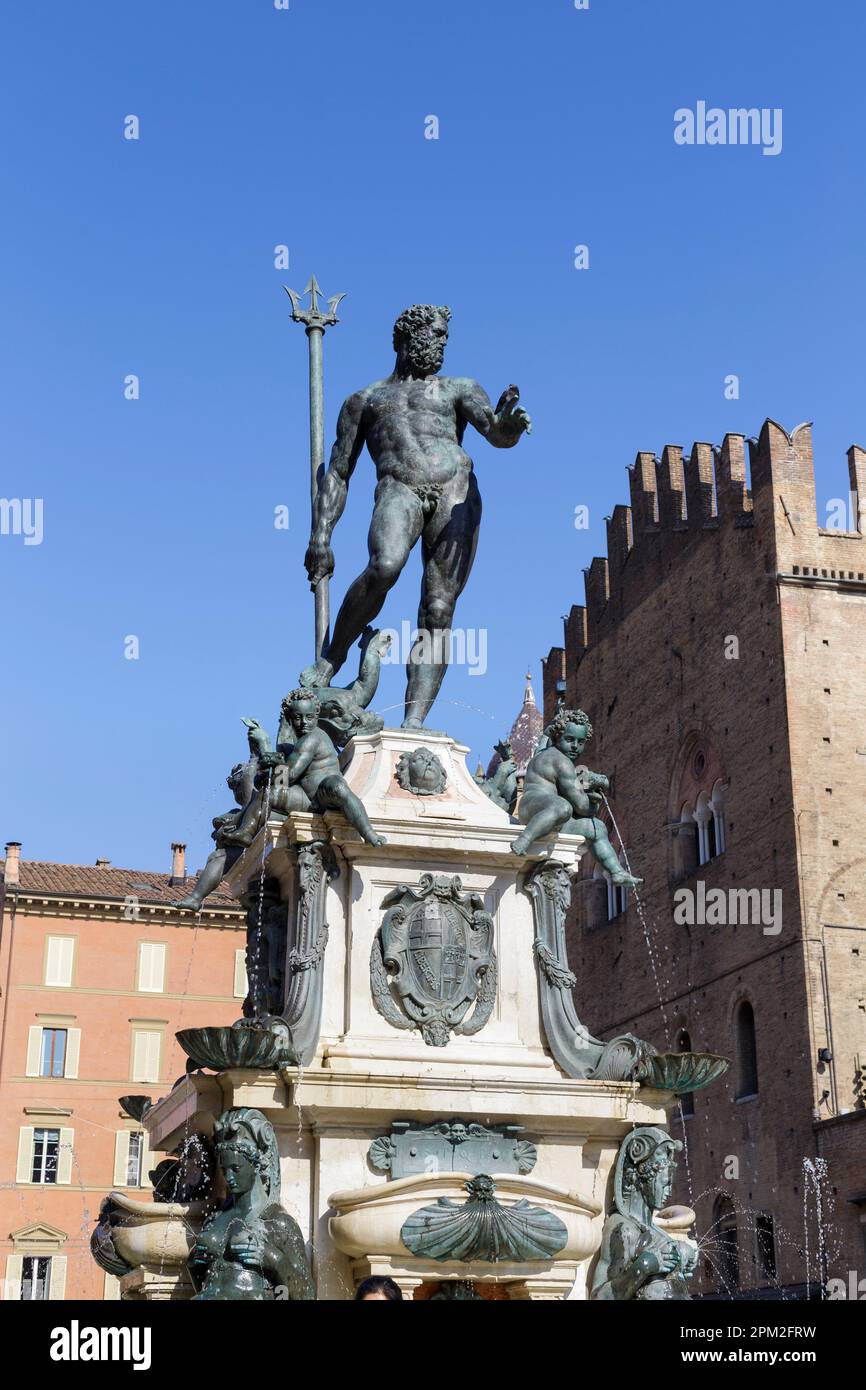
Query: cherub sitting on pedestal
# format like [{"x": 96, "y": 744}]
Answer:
[
  {"x": 312, "y": 769},
  {"x": 561, "y": 794}
]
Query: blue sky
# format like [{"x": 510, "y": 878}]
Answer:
[{"x": 305, "y": 127}]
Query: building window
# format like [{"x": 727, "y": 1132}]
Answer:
[
  {"x": 687, "y": 1101},
  {"x": 59, "y": 957},
  {"x": 133, "y": 1158},
  {"x": 706, "y": 830},
  {"x": 52, "y": 1050},
  {"x": 53, "y": 1059},
  {"x": 35, "y": 1277},
  {"x": 146, "y": 1045},
  {"x": 46, "y": 1150},
  {"x": 151, "y": 967},
  {"x": 727, "y": 1245},
  {"x": 747, "y": 1052},
  {"x": 765, "y": 1239},
  {"x": 241, "y": 986}
]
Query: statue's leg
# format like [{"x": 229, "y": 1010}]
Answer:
[
  {"x": 209, "y": 879},
  {"x": 334, "y": 792},
  {"x": 249, "y": 824},
  {"x": 450, "y": 540},
  {"x": 553, "y": 813},
  {"x": 394, "y": 528},
  {"x": 595, "y": 833}
]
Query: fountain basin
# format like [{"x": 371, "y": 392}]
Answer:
[
  {"x": 682, "y": 1071},
  {"x": 254, "y": 1049},
  {"x": 146, "y": 1233},
  {"x": 368, "y": 1220}
]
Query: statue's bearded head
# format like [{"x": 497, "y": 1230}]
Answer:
[{"x": 420, "y": 335}]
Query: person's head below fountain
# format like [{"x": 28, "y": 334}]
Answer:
[{"x": 378, "y": 1289}]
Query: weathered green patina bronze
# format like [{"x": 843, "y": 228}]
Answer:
[
  {"x": 252, "y": 1249},
  {"x": 638, "y": 1260},
  {"x": 253, "y": 1047},
  {"x": 437, "y": 945},
  {"x": 481, "y": 1228},
  {"x": 502, "y": 786},
  {"x": 560, "y": 794},
  {"x": 579, "y": 1054},
  {"x": 462, "y": 1146},
  {"x": 412, "y": 423},
  {"x": 241, "y": 782},
  {"x": 312, "y": 767},
  {"x": 421, "y": 772}
]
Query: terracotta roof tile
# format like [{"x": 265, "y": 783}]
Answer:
[{"x": 90, "y": 881}]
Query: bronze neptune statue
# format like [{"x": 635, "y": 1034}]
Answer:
[{"x": 412, "y": 423}]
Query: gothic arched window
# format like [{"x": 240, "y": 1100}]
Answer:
[{"x": 747, "y": 1051}]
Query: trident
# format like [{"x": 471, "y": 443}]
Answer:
[{"x": 316, "y": 321}]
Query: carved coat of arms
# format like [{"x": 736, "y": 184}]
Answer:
[{"x": 433, "y": 960}]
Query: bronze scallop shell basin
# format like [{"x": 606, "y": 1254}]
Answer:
[
  {"x": 221, "y": 1049},
  {"x": 683, "y": 1071}
]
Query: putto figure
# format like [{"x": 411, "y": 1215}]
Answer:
[
  {"x": 561, "y": 794},
  {"x": 413, "y": 424},
  {"x": 308, "y": 778}
]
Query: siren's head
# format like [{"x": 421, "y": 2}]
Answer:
[
  {"x": 648, "y": 1165},
  {"x": 420, "y": 335},
  {"x": 240, "y": 1165}
]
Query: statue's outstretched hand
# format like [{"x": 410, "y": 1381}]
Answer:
[
  {"x": 511, "y": 417},
  {"x": 318, "y": 561}
]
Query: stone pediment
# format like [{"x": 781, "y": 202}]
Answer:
[{"x": 40, "y": 1233}]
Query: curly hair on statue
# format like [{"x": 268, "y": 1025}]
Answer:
[
  {"x": 297, "y": 697},
  {"x": 563, "y": 718},
  {"x": 417, "y": 316}
]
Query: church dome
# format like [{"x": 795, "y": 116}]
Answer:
[{"x": 525, "y": 731}]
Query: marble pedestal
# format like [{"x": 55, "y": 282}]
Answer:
[{"x": 363, "y": 1074}]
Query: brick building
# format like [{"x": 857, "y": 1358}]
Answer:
[
  {"x": 98, "y": 970},
  {"x": 721, "y": 655}
]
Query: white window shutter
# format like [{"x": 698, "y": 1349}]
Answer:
[
  {"x": 34, "y": 1050},
  {"x": 151, "y": 967},
  {"x": 14, "y": 1269},
  {"x": 52, "y": 961},
  {"x": 121, "y": 1157},
  {"x": 153, "y": 1059},
  {"x": 57, "y": 1281},
  {"x": 64, "y": 1158},
  {"x": 146, "y": 1160},
  {"x": 58, "y": 960},
  {"x": 138, "y": 1055},
  {"x": 73, "y": 1049},
  {"x": 111, "y": 1289},
  {"x": 241, "y": 985},
  {"x": 24, "y": 1172},
  {"x": 145, "y": 1056}
]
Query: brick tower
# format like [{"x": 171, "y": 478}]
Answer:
[{"x": 721, "y": 656}]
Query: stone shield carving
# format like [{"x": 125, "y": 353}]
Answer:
[{"x": 433, "y": 960}]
